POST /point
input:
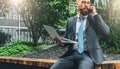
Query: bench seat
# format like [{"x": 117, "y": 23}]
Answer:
[{"x": 48, "y": 62}]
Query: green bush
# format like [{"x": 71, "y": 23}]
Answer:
[
  {"x": 20, "y": 48},
  {"x": 111, "y": 16},
  {"x": 16, "y": 48}
]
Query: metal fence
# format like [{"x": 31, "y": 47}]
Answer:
[{"x": 16, "y": 33}]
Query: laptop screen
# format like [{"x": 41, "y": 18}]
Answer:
[{"x": 51, "y": 31}]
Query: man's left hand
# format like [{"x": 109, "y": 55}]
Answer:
[{"x": 93, "y": 10}]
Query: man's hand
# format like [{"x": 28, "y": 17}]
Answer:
[
  {"x": 58, "y": 41},
  {"x": 93, "y": 10}
]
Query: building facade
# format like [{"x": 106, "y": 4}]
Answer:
[{"x": 13, "y": 25}]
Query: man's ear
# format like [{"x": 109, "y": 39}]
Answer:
[{"x": 76, "y": 5}]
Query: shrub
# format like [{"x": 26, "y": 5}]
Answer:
[{"x": 14, "y": 49}]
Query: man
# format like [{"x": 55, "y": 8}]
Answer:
[{"x": 88, "y": 51}]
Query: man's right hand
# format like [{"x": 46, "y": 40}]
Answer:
[{"x": 58, "y": 41}]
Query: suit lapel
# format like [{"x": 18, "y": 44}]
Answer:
[
  {"x": 87, "y": 24},
  {"x": 74, "y": 24}
]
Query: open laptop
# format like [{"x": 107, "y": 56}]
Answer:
[{"x": 52, "y": 32}]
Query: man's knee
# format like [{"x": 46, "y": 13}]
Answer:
[
  {"x": 62, "y": 64},
  {"x": 86, "y": 65}
]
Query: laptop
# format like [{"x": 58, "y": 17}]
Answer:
[{"x": 52, "y": 32}]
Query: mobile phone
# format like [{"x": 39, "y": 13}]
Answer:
[{"x": 90, "y": 10}]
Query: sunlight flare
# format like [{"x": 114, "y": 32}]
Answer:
[{"x": 16, "y": 2}]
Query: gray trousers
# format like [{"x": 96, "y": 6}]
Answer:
[{"x": 74, "y": 61}]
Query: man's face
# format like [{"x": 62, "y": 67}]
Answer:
[{"x": 83, "y": 6}]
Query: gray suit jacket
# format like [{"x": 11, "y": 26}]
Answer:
[{"x": 94, "y": 26}]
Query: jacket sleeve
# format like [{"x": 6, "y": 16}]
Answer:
[
  {"x": 67, "y": 29},
  {"x": 99, "y": 25}
]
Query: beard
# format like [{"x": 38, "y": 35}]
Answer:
[{"x": 84, "y": 11}]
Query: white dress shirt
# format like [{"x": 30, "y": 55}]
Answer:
[{"x": 78, "y": 23}]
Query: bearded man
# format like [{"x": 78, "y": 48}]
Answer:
[{"x": 83, "y": 28}]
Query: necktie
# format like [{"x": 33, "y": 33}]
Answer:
[{"x": 80, "y": 36}]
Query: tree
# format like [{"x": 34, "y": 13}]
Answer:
[
  {"x": 35, "y": 13},
  {"x": 5, "y": 6}
]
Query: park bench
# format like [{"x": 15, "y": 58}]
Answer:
[{"x": 48, "y": 62}]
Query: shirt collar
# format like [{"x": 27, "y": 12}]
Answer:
[{"x": 83, "y": 16}]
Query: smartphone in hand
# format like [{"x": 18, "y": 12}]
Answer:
[{"x": 90, "y": 10}]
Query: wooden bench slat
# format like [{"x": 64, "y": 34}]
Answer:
[
  {"x": 111, "y": 62},
  {"x": 98, "y": 67},
  {"x": 111, "y": 66},
  {"x": 27, "y": 61},
  {"x": 49, "y": 62},
  {"x": 118, "y": 66},
  {"x": 104, "y": 66}
]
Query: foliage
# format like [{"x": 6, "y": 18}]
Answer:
[
  {"x": 35, "y": 13},
  {"x": 16, "y": 48},
  {"x": 111, "y": 17},
  {"x": 2, "y": 14},
  {"x": 41, "y": 46},
  {"x": 5, "y": 6},
  {"x": 23, "y": 48}
]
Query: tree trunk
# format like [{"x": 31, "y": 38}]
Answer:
[{"x": 35, "y": 42}]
